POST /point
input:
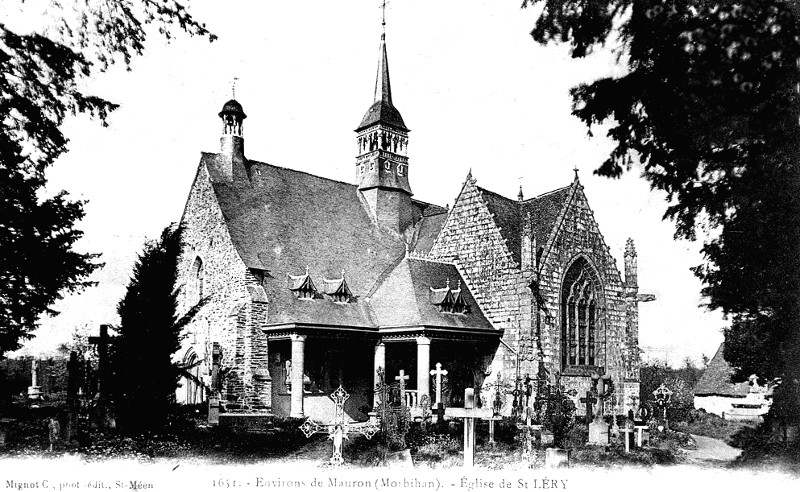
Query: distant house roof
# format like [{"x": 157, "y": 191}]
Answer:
[
  {"x": 716, "y": 379},
  {"x": 509, "y": 215}
]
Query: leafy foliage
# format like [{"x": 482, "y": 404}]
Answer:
[
  {"x": 680, "y": 381},
  {"x": 40, "y": 85},
  {"x": 145, "y": 378},
  {"x": 709, "y": 107}
]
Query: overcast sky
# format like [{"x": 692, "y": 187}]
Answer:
[{"x": 471, "y": 84}]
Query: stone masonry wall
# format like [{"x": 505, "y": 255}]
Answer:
[
  {"x": 471, "y": 239},
  {"x": 579, "y": 235},
  {"x": 233, "y": 313}
]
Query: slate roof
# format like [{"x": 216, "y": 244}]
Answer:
[
  {"x": 233, "y": 106},
  {"x": 282, "y": 221},
  {"x": 509, "y": 214},
  {"x": 383, "y": 112},
  {"x": 716, "y": 379},
  {"x": 404, "y": 298}
]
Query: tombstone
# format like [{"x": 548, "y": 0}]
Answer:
[
  {"x": 438, "y": 406},
  {"x": 469, "y": 413},
  {"x": 401, "y": 379},
  {"x": 598, "y": 429},
  {"x": 663, "y": 396},
  {"x": 339, "y": 428},
  {"x": 34, "y": 390},
  {"x": 394, "y": 418},
  {"x": 214, "y": 399},
  {"x": 5, "y": 425},
  {"x": 628, "y": 434},
  {"x": 103, "y": 405}
]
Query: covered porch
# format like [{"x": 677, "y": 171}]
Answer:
[{"x": 308, "y": 362}]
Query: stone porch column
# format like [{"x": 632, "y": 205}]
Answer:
[
  {"x": 423, "y": 367},
  {"x": 380, "y": 363},
  {"x": 298, "y": 369}
]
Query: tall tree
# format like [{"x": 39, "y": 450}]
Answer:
[
  {"x": 40, "y": 84},
  {"x": 709, "y": 107},
  {"x": 144, "y": 376}
]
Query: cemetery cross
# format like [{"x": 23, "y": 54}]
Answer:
[
  {"x": 469, "y": 413},
  {"x": 339, "y": 428}
]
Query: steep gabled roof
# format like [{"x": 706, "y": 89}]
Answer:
[
  {"x": 404, "y": 298},
  {"x": 544, "y": 210},
  {"x": 282, "y": 220},
  {"x": 716, "y": 379},
  {"x": 303, "y": 230},
  {"x": 509, "y": 215}
]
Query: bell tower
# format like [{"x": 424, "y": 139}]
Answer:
[
  {"x": 231, "y": 161},
  {"x": 382, "y": 160}
]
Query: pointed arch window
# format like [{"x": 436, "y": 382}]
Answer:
[
  {"x": 196, "y": 284},
  {"x": 579, "y": 313}
]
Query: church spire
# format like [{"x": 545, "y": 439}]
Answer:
[
  {"x": 382, "y": 159},
  {"x": 383, "y": 86}
]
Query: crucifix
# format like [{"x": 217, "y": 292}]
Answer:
[
  {"x": 383, "y": 15},
  {"x": 103, "y": 342},
  {"x": 402, "y": 378},
  {"x": 437, "y": 374},
  {"x": 589, "y": 401},
  {"x": 663, "y": 396},
  {"x": 469, "y": 413},
  {"x": 339, "y": 428}
]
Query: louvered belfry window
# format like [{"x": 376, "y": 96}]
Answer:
[{"x": 579, "y": 297}]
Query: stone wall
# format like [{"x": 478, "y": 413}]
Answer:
[
  {"x": 236, "y": 307},
  {"x": 471, "y": 239},
  {"x": 579, "y": 236}
]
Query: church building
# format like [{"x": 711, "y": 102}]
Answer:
[{"x": 308, "y": 283}]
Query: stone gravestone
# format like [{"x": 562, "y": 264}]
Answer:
[
  {"x": 598, "y": 429},
  {"x": 438, "y": 408},
  {"x": 214, "y": 399},
  {"x": 103, "y": 406},
  {"x": 641, "y": 427},
  {"x": 469, "y": 413},
  {"x": 395, "y": 420},
  {"x": 34, "y": 391}
]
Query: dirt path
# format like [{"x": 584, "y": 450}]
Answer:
[{"x": 710, "y": 451}]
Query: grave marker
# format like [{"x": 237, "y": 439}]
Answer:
[
  {"x": 339, "y": 428},
  {"x": 469, "y": 413}
]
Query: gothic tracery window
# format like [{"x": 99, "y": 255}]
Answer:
[{"x": 579, "y": 312}]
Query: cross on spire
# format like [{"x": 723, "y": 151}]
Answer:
[
  {"x": 383, "y": 16},
  {"x": 233, "y": 87}
]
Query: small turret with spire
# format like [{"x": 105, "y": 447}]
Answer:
[{"x": 232, "y": 140}]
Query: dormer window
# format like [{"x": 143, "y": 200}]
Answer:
[
  {"x": 449, "y": 300},
  {"x": 302, "y": 286},
  {"x": 337, "y": 289}
]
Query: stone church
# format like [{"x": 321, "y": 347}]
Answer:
[{"x": 309, "y": 283}]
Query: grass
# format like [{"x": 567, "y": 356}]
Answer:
[{"x": 702, "y": 423}]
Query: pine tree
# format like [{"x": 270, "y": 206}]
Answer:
[{"x": 144, "y": 375}]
